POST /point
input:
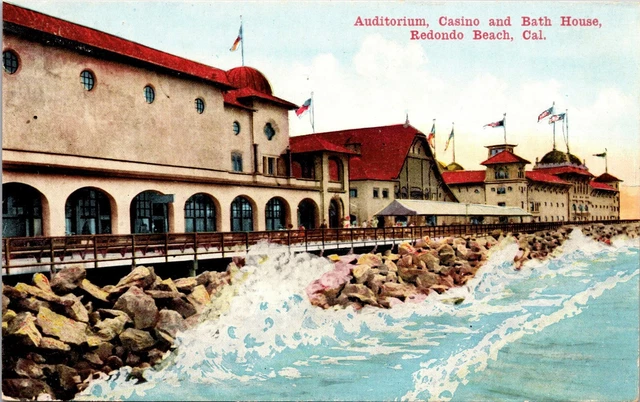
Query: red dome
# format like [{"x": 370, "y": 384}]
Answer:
[{"x": 243, "y": 77}]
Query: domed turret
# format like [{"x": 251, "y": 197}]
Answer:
[
  {"x": 556, "y": 156},
  {"x": 453, "y": 166},
  {"x": 249, "y": 77}
]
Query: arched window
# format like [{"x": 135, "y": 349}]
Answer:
[
  {"x": 87, "y": 211},
  {"x": 335, "y": 169},
  {"x": 307, "y": 213},
  {"x": 275, "y": 214},
  {"x": 199, "y": 214},
  {"x": 149, "y": 212},
  {"x": 241, "y": 215},
  {"x": 21, "y": 211},
  {"x": 502, "y": 173}
]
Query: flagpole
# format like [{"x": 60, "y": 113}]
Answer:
[
  {"x": 566, "y": 122},
  {"x": 606, "y": 167},
  {"x": 554, "y": 125},
  {"x": 313, "y": 114},
  {"x": 454, "y": 143},
  {"x": 504, "y": 126},
  {"x": 241, "y": 40},
  {"x": 434, "y": 140}
]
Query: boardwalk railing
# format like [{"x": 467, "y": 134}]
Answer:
[{"x": 50, "y": 253}]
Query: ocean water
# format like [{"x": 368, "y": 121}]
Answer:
[{"x": 563, "y": 329}]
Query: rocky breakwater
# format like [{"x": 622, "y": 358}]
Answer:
[
  {"x": 58, "y": 335},
  {"x": 436, "y": 265},
  {"x": 411, "y": 274}
]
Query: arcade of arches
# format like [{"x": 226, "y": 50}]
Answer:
[{"x": 90, "y": 210}]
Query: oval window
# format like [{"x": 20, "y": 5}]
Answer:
[
  {"x": 269, "y": 131},
  {"x": 236, "y": 128},
  {"x": 87, "y": 80},
  {"x": 200, "y": 105},
  {"x": 149, "y": 94},
  {"x": 9, "y": 61}
]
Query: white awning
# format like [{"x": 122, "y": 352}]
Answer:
[{"x": 440, "y": 208}]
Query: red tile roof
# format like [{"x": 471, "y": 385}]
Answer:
[
  {"x": 464, "y": 177},
  {"x": 544, "y": 177},
  {"x": 565, "y": 170},
  {"x": 601, "y": 186},
  {"x": 111, "y": 44},
  {"x": 382, "y": 149},
  {"x": 606, "y": 178},
  {"x": 231, "y": 100},
  {"x": 310, "y": 143},
  {"x": 247, "y": 93},
  {"x": 504, "y": 157}
]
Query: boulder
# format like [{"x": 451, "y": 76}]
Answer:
[
  {"x": 360, "y": 292},
  {"x": 375, "y": 281},
  {"x": 114, "y": 362},
  {"x": 53, "y": 344},
  {"x": 427, "y": 279},
  {"x": 432, "y": 262},
  {"x": 43, "y": 294},
  {"x": 94, "y": 291},
  {"x": 77, "y": 310},
  {"x": 139, "y": 306},
  {"x": 446, "y": 254},
  {"x": 140, "y": 277},
  {"x": 104, "y": 350},
  {"x": 24, "y": 388},
  {"x": 5, "y": 302},
  {"x": 136, "y": 340},
  {"x": 397, "y": 290},
  {"x": 41, "y": 281},
  {"x": 361, "y": 273},
  {"x": 68, "y": 377},
  {"x": 166, "y": 285},
  {"x": 170, "y": 322},
  {"x": 28, "y": 368},
  {"x": 186, "y": 284},
  {"x": 199, "y": 297},
  {"x": 182, "y": 306},
  {"x": 61, "y": 327},
  {"x": 369, "y": 259},
  {"x": 93, "y": 358},
  {"x": 111, "y": 327},
  {"x": 163, "y": 294},
  {"x": 67, "y": 279},
  {"x": 31, "y": 304},
  {"x": 23, "y": 327}
]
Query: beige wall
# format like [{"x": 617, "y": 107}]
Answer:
[
  {"x": 471, "y": 194},
  {"x": 550, "y": 202},
  {"x": 48, "y": 110},
  {"x": 365, "y": 206},
  {"x": 604, "y": 205}
]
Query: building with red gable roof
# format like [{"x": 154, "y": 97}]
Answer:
[
  {"x": 387, "y": 163},
  {"x": 105, "y": 135},
  {"x": 559, "y": 187}
]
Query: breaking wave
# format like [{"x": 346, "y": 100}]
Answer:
[{"x": 263, "y": 340}]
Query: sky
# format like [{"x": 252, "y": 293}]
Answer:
[{"x": 364, "y": 76}]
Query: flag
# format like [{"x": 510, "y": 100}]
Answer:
[
  {"x": 495, "y": 124},
  {"x": 544, "y": 114},
  {"x": 305, "y": 106},
  {"x": 234, "y": 47},
  {"x": 448, "y": 139},
  {"x": 602, "y": 155},
  {"x": 432, "y": 136},
  {"x": 556, "y": 117}
]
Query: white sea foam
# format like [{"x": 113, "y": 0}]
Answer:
[
  {"x": 266, "y": 312},
  {"x": 438, "y": 380}
]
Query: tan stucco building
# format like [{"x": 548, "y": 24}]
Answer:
[
  {"x": 559, "y": 188},
  {"x": 104, "y": 135}
]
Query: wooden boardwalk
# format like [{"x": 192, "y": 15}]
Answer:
[{"x": 25, "y": 255}]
